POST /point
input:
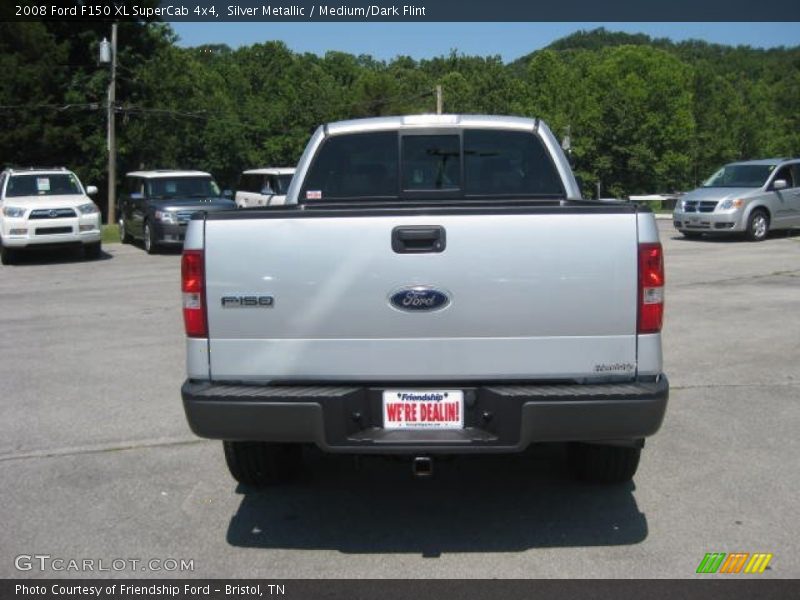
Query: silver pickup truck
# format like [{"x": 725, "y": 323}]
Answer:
[{"x": 434, "y": 285}]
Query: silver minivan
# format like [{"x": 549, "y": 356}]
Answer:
[{"x": 754, "y": 197}]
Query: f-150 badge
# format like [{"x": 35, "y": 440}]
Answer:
[
  {"x": 419, "y": 298},
  {"x": 248, "y": 302}
]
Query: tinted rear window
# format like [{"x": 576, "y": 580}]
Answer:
[
  {"x": 431, "y": 162},
  {"x": 354, "y": 166},
  {"x": 508, "y": 163},
  {"x": 388, "y": 165}
]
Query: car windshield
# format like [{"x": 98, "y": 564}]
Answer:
[
  {"x": 65, "y": 184},
  {"x": 183, "y": 187},
  {"x": 283, "y": 184},
  {"x": 736, "y": 176}
]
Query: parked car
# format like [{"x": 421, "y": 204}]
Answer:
[
  {"x": 262, "y": 187},
  {"x": 155, "y": 206},
  {"x": 433, "y": 285},
  {"x": 753, "y": 197},
  {"x": 47, "y": 208}
]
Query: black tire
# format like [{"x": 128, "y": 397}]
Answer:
[
  {"x": 757, "y": 225},
  {"x": 93, "y": 251},
  {"x": 7, "y": 255},
  {"x": 603, "y": 464},
  {"x": 262, "y": 463},
  {"x": 124, "y": 236},
  {"x": 150, "y": 245},
  {"x": 691, "y": 235}
]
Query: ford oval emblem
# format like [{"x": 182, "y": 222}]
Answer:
[{"x": 419, "y": 298}]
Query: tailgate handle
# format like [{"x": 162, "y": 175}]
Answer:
[{"x": 417, "y": 239}]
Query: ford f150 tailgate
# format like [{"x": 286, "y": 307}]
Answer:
[{"x": 490, "y": 292}]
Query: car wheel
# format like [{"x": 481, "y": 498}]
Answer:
[
  {"x": 757, "y": 226},
  {"x": 93, "y": 251},
  {"x": 150, "y": 245},
  {"x": 124, "y": 236},
  {"x": 692, "y": 235},
  {"x": 262, "y": 463},
  {"x": 7, "y": 255},
  {"x": 595, "y": 463}
]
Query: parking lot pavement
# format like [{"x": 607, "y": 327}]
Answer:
[{"x": 96, "y": 460}]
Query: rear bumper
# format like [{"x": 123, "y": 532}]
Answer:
[{"x": 497, "y": 418}]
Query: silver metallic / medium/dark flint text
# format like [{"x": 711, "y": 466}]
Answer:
[{"x": 372, "y": 10}]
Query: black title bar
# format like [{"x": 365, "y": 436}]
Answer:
[{"x": 408, "y": 10}]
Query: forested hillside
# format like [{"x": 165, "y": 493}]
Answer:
[{"x": 643, "y": 115}]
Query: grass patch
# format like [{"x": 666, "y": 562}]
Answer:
[{"x": 110, "y": 234}]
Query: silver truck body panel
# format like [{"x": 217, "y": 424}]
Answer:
[{"x": 532, "y": 296}]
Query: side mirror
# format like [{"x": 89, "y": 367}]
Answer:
[
  {"x": 780, "y": 184},
  {"x": 227, "y": 193},
  {"x": 91, "y": 190}
]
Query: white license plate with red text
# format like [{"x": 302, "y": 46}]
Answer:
[{"x": 423, "y": 409}]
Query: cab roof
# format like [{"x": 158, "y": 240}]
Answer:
[
  {"x": 431, "y": 121},
  {"x": 762, "y": 161},
  {"x": 158, "y": 173},
  {"x": 270, "y": 171}
]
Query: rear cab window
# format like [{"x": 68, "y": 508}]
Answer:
[{"x": 471, "y": 164}]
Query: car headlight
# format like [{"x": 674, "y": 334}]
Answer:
[
  {"x": 13, "y": 211},
  {"x": 730, "y": 203},
  {"x": 90, "y": 208},
  {"x": 166, "y": 217}
]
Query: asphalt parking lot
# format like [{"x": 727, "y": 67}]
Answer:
[{"x": 96, "y": 460}]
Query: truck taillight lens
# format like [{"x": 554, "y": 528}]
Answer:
[
  {"x": 192, "y": 284},
  {"x": 651, "y": 288}
]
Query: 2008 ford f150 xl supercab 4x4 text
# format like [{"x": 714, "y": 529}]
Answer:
[{"x": 433, "y": 285}]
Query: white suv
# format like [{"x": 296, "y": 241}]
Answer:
[
  {"x": 46, "y": 207},
  {"x": 263, "y": 187}
]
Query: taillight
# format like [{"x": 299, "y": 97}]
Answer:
[
  {"x": 192, "y": 283},
  {"x": 651, "y": 288}
]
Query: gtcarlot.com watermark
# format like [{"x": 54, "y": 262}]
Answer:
[{"x": 46, "y": 562}]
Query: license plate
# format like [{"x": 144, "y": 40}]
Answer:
[{"x": 423, "y": 409}]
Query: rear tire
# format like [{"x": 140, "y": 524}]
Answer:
[
  {"x": 7, "y": 255},
  {"x": 93, "y": 251},
  {"x": 603, "y": 464},
  {"x": 757, "y": 225},
  {"x": 262, "y": 463}
]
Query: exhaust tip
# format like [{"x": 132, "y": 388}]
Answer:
[{"x": 422, "y": 466}]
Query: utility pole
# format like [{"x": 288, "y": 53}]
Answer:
[
  {"x": 438, "y": 99},
  {"x": 110, "y": 55}
]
